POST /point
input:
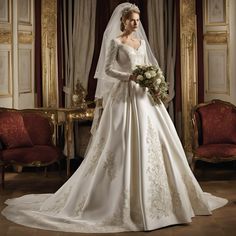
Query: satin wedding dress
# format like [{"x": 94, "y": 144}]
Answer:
[{"x": 135, "y": 176}]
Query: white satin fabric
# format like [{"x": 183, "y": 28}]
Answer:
[{"x": 135, "y": 176}]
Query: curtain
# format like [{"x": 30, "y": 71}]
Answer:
[
  {"x": 38, "y": 54},
  {"x": 162, "y": 38},
  {"x": 60, "y": 55},
  {"x": 77, "y": 46},
  {"x": 78, "y": 40},
  {"x": 83, "y": 38},
  {"x": 178, "y": 92},
  {"x": 200, "y": 56}
]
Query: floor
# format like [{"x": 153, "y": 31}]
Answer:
[{"x": 218, "y": 180}]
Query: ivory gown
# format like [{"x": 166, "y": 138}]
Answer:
[{"x": 135, "y": 176}]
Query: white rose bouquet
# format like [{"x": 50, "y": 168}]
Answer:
[{"x": 152, "y": 78}]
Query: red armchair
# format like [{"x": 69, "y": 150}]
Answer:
[
  {"x": 214, "y": 132},
  {"x": 26, "y": 139}
]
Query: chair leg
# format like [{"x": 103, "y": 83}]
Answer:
[
  {"x": 3, "y": 176},
  {"x": 45, "y": 171}
]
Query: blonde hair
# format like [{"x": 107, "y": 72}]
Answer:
[{"x": 126, "y": 13}]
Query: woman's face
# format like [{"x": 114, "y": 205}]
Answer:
[{"x": 132, "y": 23}]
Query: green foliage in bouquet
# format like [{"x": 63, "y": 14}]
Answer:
[{"x": 152, "y": 78}]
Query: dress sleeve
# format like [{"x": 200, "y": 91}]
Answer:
[{"x": 110, "y": 63}]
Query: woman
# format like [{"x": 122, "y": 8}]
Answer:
[{"x": 135, "y": 176}]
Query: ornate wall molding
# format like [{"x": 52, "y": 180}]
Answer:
[
  {"x": 216, "y": 37},
  {"x": 49, "y": 52},
  {"x": 188, "y": 67},
  {"x": 217, "y": 50},
  {"x": 5, "y": 36},
  {"x": 25, "y": 38}
]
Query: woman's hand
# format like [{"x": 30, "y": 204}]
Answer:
[{"x": 133, "y": 77}]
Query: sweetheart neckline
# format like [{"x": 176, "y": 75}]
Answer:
[{"x": 135, "y": 49}]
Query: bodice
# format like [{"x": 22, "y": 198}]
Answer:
[{"x": 121, "y": 59}]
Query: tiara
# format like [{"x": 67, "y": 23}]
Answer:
[{"x": 128, "y": 9}]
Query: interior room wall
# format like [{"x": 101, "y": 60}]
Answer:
[
  {"x": 17, "y": 86},
  {"x": 232, "y": 50},
  {"x": 220, "y": 54}
]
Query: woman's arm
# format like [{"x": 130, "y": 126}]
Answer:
[{"x": 110, "y": 60}]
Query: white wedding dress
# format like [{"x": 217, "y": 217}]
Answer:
[{"x": 135, "y": 176}]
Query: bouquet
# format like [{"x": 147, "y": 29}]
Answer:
[{"x": 152, "y": 78}]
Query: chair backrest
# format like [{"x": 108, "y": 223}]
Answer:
[
  {"x": 215, "y": 122},
  {"x": 39, "y": 127},
  {"x": 13, "y": 133}
]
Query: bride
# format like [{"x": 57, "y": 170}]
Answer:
[{"x": 135, "y": 176}]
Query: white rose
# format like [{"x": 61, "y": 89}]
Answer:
[
  {"x": 140, "y": 77},
  {"x": 158, "y": 81},
  {"x": 148, "y": 75},
  {"x": 159, "y": 73},
  {"x": 153, "y": 73}
]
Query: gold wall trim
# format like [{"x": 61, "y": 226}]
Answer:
[
  {"x": 25, "y": 38},
  {"x": 216, "y": 37},
  {"x": 188, "y": 67},
  {"x": 5, "y": 37},
  {"x": 49, "y": 52}
]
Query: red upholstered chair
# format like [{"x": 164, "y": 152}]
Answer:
[
  {"x": 214, "y": 132},
  {"x": 26, "y": 139}
]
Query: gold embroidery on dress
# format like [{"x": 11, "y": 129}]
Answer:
[
  {"x": 120, "y": 216},
  {"x": 109, "y": 165},
  {"x": 159, "y": 197},
  {"x": 94, "y": 159},
  {"x": 177, "y": 204},
  {"x": 195, "y": 195},
  {"x": 79, "y": 207},
  {"x": 59, "y": 202}
]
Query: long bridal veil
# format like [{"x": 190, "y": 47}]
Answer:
[{"x": 112, "y": 31}]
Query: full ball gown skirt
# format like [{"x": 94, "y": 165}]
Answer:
[{"x": 135, "y": 176}]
